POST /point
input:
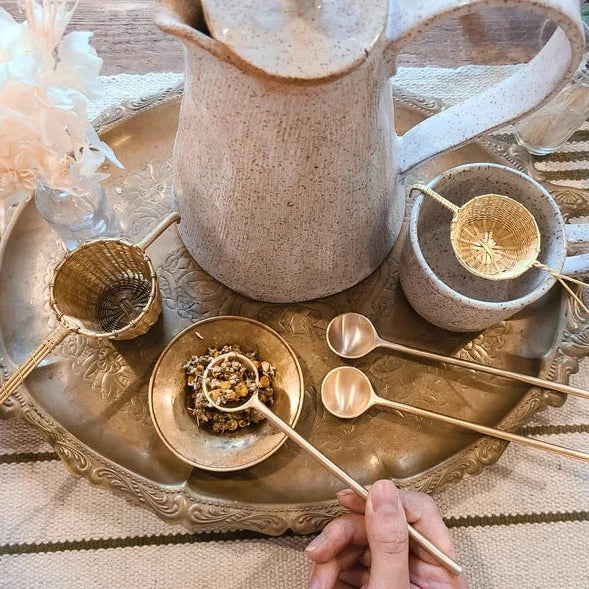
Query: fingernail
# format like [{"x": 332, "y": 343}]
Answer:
[
  {"x": 345, "y": 493},
  {"x": 384, "y": 495},
  {"x": 315, "y": 543},
  {"x": 314, "y": 583}
]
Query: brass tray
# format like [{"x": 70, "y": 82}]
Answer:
[{"x": 89, "y": 399}]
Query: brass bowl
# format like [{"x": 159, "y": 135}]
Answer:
[{"x": 198, "y": 445}]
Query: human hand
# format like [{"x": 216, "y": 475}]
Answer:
[{"x": 369, "y": 547}]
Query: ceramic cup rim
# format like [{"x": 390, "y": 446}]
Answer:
[{"x": 531, "y": 296}]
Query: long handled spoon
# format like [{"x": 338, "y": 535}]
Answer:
[
  {"x": 352, "y": 336},
  {"x": 346, "y": 392},
  {"x": 254, "y": 403}
]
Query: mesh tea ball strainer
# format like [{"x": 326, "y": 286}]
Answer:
[
  {"x": 497, "y": 238},
  {"x": 106, "y": 288}
]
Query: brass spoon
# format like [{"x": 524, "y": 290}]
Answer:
[
  {"x": 254, "y": 403},
  {"x": 346, "y": 392},
  {"x": 352, "y": 336}
]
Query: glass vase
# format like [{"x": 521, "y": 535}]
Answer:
[
  {"x": 548, "y": 128},
  {"x": 80, "y": 216}
]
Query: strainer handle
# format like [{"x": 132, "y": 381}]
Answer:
[
  {"x": 44, "y": 349},
  {"x": 158, "y": 230},
  {"x": 437, "y": 197}
]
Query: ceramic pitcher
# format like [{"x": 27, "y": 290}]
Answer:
[{"x": 288, "y": 170}]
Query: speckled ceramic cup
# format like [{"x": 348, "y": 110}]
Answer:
[{"x": 444, "y": 292}]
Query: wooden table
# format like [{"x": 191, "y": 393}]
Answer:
[{"x": 129, "y": 42}]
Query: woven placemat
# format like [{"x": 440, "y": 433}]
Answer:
[{"x": 523, "y": 522}]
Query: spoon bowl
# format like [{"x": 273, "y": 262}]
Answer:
[
  {"x": 168, "y": 397},
  {"x": 346, "y": 392},
  {"x": 363, "y": 397},
  {"x": 251, "y": 402},
  {"x": 351, "y": 335}
]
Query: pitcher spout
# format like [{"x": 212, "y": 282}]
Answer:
[{"x": 185, "y": 19}]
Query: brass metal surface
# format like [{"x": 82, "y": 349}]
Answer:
[
  {"x": 352, "y": 336},
  {"x": 254, "y": 402},
  {"x": 347, "y": 393},
  {"x": 90, "y": 398},
  {"x": 167, "y": 395}
]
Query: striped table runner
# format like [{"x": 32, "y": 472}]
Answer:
[
  {"x": 523, "y": 522},
  {"x": 569, "y": 166}
]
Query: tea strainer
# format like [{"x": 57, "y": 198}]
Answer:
[
  {"x": 106, "y": 288},
  {"x": 497, "y": 238}
]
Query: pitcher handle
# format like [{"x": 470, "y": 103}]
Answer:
[{"x": 527, "y": 88}]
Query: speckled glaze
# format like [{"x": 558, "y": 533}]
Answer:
[
  {"x": 442, "y": 291},
  {"x": 288, "y": 170}
]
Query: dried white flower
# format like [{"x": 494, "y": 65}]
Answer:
[{"x": 46, "y": 80}]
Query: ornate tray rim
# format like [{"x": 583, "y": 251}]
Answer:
[{"x": 179, "y": 505}]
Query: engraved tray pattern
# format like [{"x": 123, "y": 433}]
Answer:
[{"x": 113, "y": 377}]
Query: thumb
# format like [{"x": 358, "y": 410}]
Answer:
[{"x": 386, "y": 529}]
